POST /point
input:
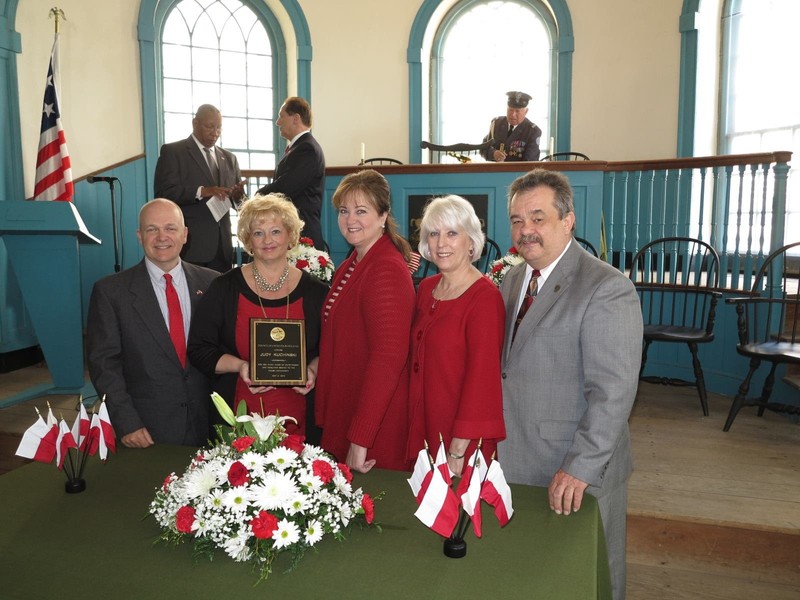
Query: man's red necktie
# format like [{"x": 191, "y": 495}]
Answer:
[
  {"x": 175, "y": 320},
  {"x": 527, "y": 301}
]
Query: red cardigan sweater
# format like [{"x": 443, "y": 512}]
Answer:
[{"x": 362, "y": 382}]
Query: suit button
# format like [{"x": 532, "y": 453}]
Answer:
[
  {"x": 419, "y": 335},
  {"x": 504, "y": 375},
  {"x": 416, "y": 367}
]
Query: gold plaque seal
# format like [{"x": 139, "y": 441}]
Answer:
[{"x": 277, "y": 334}]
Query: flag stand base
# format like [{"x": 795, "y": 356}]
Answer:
[
  {"x": 75, "y": 486},
  {"x": 455, "y": 548}
]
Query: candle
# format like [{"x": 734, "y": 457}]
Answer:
[
  {"x": 363, "y": 152},
  {"x": 552, "y": 145}
]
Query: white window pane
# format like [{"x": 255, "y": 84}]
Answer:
[
  {"x": 260, "y": 134},
  {"x": 205, "y": 93},
  {"x": 259, "y": 69},
  {"x": 178, "y": 96},
  {"x": 260, "y": 160},
  {"x": 175, "y": 29},
  {"x": 205, "y": 64},
  {"x": 233, "y": 67},
  {"x": 176, "y": 127},
  {"x": 234, "y": 101},
  {"x": 219, "y": 14},
  {"x": 190, "y": 10},
  {"x": 177, "y": 61},
  {"x": 245, "y": 17},
  {"x": 259, "y": 102},
  {"x": 234, "y": 132},
  {"x": 232, "y": 37},
  {"x": 258, "y": 42},
  {"x": 204, "y": 33}
]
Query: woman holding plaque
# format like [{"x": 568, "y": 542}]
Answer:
[
  {"x": 362, "y": 383},
  {"x": 455, "y": 386},
  {"x": 267, "y": 288}
]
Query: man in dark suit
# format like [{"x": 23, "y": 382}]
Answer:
[
  {"x": 570, "y": 363},
  {"x": 300, "y": 174},
  {"x": 515, "y": 136},
  {"x": 137, "y": 321},
  {"x": 205, "y": 181}
]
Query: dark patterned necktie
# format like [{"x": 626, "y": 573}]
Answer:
[
  {"x": 527, "y": 301},
  {"x": 211, "y": 159}
]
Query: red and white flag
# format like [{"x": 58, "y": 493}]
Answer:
[
  {"x": 439, "y": 507},
  {"x": 109, "y": 436},
  {"x": 80, "y": 429},
  {"x": 64, "y": 442},
  {"x": 38, "y": 442},
  {"x": 53, "y": 166},
  {"x": 469, "y": 489},
  {"x": 421, "y": 476},
  {"x": 496, "y": 492}
]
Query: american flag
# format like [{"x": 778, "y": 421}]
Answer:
[{"x": 53, "y": 168}]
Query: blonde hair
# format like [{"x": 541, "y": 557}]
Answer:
[{"x": 259, "y": 207}]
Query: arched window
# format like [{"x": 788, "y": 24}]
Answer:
[
  {"x": 482, "y": 50},
  {"x": 464, "y": 55},
  {"x": 219, "y": 52}
]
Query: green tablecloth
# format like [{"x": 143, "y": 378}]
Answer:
[{"x": 98, "y": 544}]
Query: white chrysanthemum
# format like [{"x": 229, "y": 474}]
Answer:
[
  {"x": 254, "y": 462},
  {"x": 215, "y": 499},
  {"x": 281, "y": 458},
  {"x": 295, "y": 504},
  {"x": 236, "y": 499},
  {"x": 200, "y": 481},
  {"x": 287, "y": 534},
  {"x": 309, "y": 481},
  {"x": 273, "y": 492},
  {"x": 313, "y": 532},
  {"x": 312, "y": 453},
  {"x": 236, "y": 547}
]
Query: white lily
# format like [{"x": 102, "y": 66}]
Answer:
[
  {"x": 264, "y": 425},
  {"x": 224, "y": 410}
]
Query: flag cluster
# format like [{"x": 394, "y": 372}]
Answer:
[
  {"x": 439, "y": 505},
  {"x": 48, "y": 440},
  {"x": 53, "y": 166}
]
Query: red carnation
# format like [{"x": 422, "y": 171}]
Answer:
[
  {"x": 167, "y": 481},
  {"x": 184, "y": 519},
  {"x": 323, "y": 470},
  {"x": 513, "y": 250},
  {"x": 243, "y": 443},
  {"x": 238, "y": 474},
  {"x": 264, "y": 525},
  {"x": 323, "y": 262},
  {"x": 497, "y": 268},
  {"x": 346, "y": 472},
  {"x": 369, "y": 508},
  {"x": 306, "y": 241},
  {"x": 301, "y": 264},
  {"x": 294, "y": 442}
]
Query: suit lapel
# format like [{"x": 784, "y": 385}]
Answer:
[
  {"x": 146, "y": 305},
  {"x": 195, "y": 290},
  {"x": 198, "y": 158},
  {"x": 515, "y": 276}
]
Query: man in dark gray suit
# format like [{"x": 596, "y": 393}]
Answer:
[
  {"x": 153, "y": 394},
  {"x": 300, "y": 174},
  {"x": 200, "y": 176},
  {"x": 570, "y": 363}
]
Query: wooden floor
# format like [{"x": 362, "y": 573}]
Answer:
[{"x": 712, "y": 515}]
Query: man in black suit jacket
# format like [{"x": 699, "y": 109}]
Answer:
[
  {"x": 300, "y": 175},
  {"x": 152, "y": 396},
  {"x": 194, "y": 172}
]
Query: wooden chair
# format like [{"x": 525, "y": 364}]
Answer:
[
  {"x": 677, "y": 279},
  {"x": 491, "y": 252},
  {"x": 769, "y": 328},
  {"x": 381, "y": 160},
  {"x": 565, "y": 156},
  {"x": 458, "y": 152},
  {"x": 587, "y": 245}
]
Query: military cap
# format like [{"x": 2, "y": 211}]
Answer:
[{"x": 518, "y": 99}]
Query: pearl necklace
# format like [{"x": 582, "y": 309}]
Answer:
[{"x": 266, "y": 286}]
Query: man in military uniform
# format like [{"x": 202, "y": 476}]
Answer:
[{"x": 515, "y": 137}]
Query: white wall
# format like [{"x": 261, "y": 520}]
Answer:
[{"x": 625, "y": 78}]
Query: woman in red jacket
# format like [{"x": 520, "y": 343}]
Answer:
[
  {"x": 362, "y": 382},
  {"x": 455, "y": 388}
]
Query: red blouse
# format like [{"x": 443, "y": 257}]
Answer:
[{"x": 455, "y": 388}]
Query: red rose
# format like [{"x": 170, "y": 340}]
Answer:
[
  {"x": 264, "y": 525},
  {"x": 497, "y": 268},
  {"x": 243, "y": 443},
  {"x": 322, "y": 261},
  {"x": 184, "y": 519},
  {"x": 167, "y": 481},
  {"x": 513, "y": 250},
  {"x": 306, "y": 241},
  {"x": 323, "y": 470},
  {"x": 369, "y": 508},
  {"x": 301, "y": 264},
  {"x": 294, "y": 442},
  {"x": 238, "y": 474},
  {"x": 346, "y": 472}
]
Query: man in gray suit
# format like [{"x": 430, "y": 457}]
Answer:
[
  {"x": 197, "y": 174},
  {"x": 153, "y": 394},
  {"x": 570, "y": 363}
]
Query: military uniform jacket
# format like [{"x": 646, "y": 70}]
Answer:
[{"x": 522, "y": 144}]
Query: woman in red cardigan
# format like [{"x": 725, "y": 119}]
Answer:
[
  {"x": 362, "y": 382},
  {"x": 455, "y": 388}
]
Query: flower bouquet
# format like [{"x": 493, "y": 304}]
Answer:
[
  {"x": 440, "y": 505},
  {"x": 317, "y": 262},
  {"x": 258, "y": 492},
  {"x": 501, "y": 266}
]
